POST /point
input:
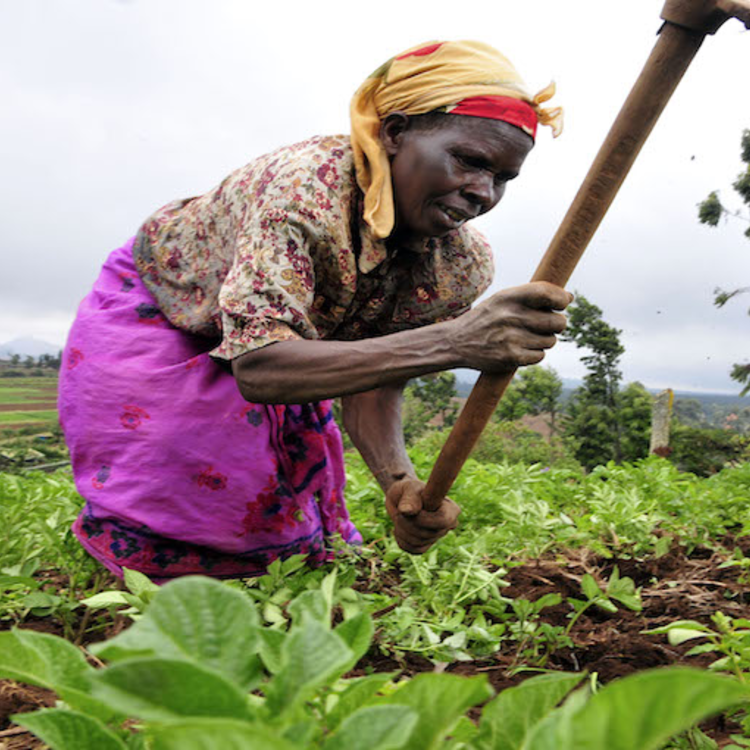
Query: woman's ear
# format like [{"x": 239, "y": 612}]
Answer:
[{"x": 392, "y": 130}]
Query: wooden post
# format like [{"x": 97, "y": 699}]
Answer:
[{"x": 661, "y": 416}]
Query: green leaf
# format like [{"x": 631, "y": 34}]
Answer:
[
  {"x": 140, "y": 585},
  {"x": 356, "y": 695},
  {"x": 508, "y": 719},
  {"x": 271, "y": 649},
  {"x": 106, "y": 599},
  {"x": 310, "y": 604},
  {"x": 374, "y": 728},
  {"x": 67, "y": 730},
  {"x": 312, "y": 656},
  {"x": 166, "y": 689},
  {"x": 217, "y": 734},
  {"x": 357, "y": 633},
  {"x": 440, "y": 700},
  {"x": 642, "y": 711},
  {"x": 676, "y": 636},
  {"x": 590, "y": 587},
  {"x": 43, "y": 660},
  {"x": 200, "y": 620},
  {"x": 679, "y": 625}
]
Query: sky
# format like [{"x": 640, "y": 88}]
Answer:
[{"x": 112, "y": 108}]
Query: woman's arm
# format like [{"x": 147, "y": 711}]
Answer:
[
  {"x": 373, "y": 421},
  {"x": 510, "y": 329}
]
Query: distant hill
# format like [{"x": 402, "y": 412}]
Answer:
[
  {"x": 465, "y": 381},
  {"x": 28, "y": 347}
]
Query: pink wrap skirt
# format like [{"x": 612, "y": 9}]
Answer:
[{"x": 180, "y": 474}]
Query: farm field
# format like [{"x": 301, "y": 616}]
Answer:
[
  {"x": 28, "y": 401},
  {"x": 554, "y": 580}
]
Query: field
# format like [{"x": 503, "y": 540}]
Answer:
[
  {"x": 28, "y": 402},
  {"x": 554, "y": 579}
]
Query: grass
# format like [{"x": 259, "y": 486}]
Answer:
[{"x": 28, "y": 417}]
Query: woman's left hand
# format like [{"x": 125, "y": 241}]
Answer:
[{"x": 416, "y": 529}]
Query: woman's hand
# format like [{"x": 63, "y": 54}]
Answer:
[
  {"x": 512, "y": 328},
  {"x": 415, "y": 529}
]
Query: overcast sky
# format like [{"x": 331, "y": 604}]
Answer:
[{"x": 111, "y": 108}]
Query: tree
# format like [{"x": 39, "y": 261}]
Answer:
[
  {"x": 534, "y": 390},
  {"x": 607, "y": 424},
  {"x": 592, "y": 412},
  {"x": 710, "y": 211},
  {"x": 429, "y": 399}
]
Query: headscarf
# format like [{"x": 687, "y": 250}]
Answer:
[{"x": 447, "y": 76}]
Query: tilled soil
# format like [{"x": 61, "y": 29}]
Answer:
[{"x": 676, "y": 586}]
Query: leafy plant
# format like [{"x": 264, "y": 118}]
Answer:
[
  {"x": 730, "y": 637},
  {"x": 200, "y": 672},
  {"x": 618, "y": 589}
]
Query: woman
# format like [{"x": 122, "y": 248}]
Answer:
[{"x": 196, "y": 378}]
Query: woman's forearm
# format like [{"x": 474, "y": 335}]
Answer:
[
  {"x": 373, "y": 422},
  {"x": 293, "y": 372}
]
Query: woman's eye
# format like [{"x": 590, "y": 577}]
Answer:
[{"x": 468, "y": 161}]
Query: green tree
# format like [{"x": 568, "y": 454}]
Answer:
[
  {"x": 634, "y": 417},
  {"x": 710, "y": 212},
  {"x": 592, "y": 411},
  {"x": 534, "y": 390},
  {"x": 429, "y": 401}
]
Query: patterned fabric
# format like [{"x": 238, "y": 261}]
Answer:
[
  {"x": 180, "y": 474},
  {"x": 279, "y": 251},
  {"x": 435, "y": 76}
]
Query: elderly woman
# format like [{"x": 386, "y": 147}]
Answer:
[{"x": 196, "y": 380}]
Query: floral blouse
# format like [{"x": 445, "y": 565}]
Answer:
[{"x": 279, "y": 251}]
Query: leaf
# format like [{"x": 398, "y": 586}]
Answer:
[
  {"x": 271, "y": 649},
  {"x": 139, "y": 584},
  {"x": 312, "y": 656},
  {"x": 357, "y": 633},
  {"x": 43, "y": 660},
  {"x": 310, "y": 604},
  {"x": 68, "y": 730},
  {"x": 676, "y": 636},
  {"x": 199, "y": 620},
  {"x": 590, "y": 587},
  {"x": 440, "y": 700},
  {"x": 106, "y": 599},
  {"x": 374, "y": 728},
  {"x": 642, "y": 711},
  {"x": 167, "y": 689},
  {"x": 507, "y": 720},
  {"x": 356, "y": 695},
  {"x": 679, "y": 624},
  {"x": 217, "y": 734}
]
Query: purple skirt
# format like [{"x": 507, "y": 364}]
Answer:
[{"x": 179, "y": 473}]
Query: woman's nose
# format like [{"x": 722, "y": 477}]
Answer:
[{"x": 483, "y": 190}]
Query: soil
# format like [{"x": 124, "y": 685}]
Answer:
[
  {"x": 676, "y": 586},
  {"x": 30, "y": 406}
]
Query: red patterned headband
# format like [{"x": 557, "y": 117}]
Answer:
[{"x": 514, "y": 111}]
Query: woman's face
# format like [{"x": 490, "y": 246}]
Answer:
[{"x": 445, "y": 176}]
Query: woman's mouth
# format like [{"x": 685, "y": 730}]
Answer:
[{"x": 453, "y": 216}]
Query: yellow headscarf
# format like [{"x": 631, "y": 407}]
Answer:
[{"x": 420, "y": 80}]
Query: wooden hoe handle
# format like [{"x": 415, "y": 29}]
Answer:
[{"x": 674, "y": 50}]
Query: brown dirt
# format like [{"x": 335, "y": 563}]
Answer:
[
  {"x": 675, "y": 586},
  {"x": 30, "y": 406},
  {"x": 17, "y": 698}
]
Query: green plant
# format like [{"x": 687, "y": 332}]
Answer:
[
  {"x": 141, "y": 591},
  {"x": 200, "y": 672},
  {"x": 730, "y": 637},
  {"x": 618, "y": 589}
]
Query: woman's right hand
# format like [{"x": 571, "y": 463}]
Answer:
[{"x": 510, "y": 329}]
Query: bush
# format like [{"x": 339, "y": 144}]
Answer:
[
  {"x": 509, "y": 442},
  {"x": 706, "y": 451}
]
